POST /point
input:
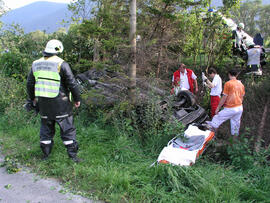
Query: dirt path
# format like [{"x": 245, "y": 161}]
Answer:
[{"x": 26, "y": 187}]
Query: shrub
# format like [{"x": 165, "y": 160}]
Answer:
[
  {"x": 243, "y": 157},
  {"x": 14, "y": 64},
  {"x": 12, "y": 94},
  {"x": 240, "y": 154},
  {"x": 146, "y": 121}
]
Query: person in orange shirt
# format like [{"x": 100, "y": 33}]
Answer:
[{"x": 233, "y": 95}]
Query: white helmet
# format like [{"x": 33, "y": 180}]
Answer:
[
  {"x": 241, "y": 25},
  {"x": 54, "y": 46}
]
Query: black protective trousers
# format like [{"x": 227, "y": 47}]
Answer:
[{"x": 67, "y": 129}]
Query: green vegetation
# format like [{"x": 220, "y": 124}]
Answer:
[
  {"x": 116, "y": 163},
  {"x": 119, "y": 143}
]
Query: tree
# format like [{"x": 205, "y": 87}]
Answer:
[
  {"x": 248, "y": 13},
  {"x": 255, "y": 16},
  {"x": 132, "y": 38},
  {"x": 3, "y": 8},
  {"x": 81, "y": 9},
  {"x": 263, "y": 21},
  {"x": 228, "y": 4}
]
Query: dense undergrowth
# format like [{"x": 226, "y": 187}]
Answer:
[{"x": 117, "y": 154}]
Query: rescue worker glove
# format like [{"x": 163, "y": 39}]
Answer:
[{"x": 31, "y": 106}]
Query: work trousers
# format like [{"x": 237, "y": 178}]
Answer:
[
  {"x": 234, "y": 114},
  {"x": 67, "y": 130},
  {"x": 214, "y": 104}
]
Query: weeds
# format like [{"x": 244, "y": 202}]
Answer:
[
  {"x": 242, "y": 155},
  {"x": 116, "y": 168},
  {"x": 11, "y": 165},
  {"x": 117, "y": 147}
]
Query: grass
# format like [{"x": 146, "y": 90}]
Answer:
[{"x": 116, "y": 167}]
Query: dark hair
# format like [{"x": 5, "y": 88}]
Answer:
[
  {"x": 212, "y": 70},
  {"x": 233, "y": 72}
]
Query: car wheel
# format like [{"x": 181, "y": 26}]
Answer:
[{"x": 185, "y": 99}]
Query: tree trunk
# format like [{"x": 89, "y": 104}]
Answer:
[
  {"x": 159, "y": 59},
  {"x": 167, "y": 60},
  {"x": 96, "y": 50},
  {"x": 160, "y": 49},
  {"x": 261, "y": 127},
  {"x": 195, "y": 60},
  {"x": 132, "y": 38}
]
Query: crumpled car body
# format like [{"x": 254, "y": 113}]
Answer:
[{"x": 185, "y": 109}]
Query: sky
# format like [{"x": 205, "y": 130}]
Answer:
[{"x": 12, "y": 4}]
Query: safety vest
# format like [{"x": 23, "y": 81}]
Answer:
[
  {"x": 177, "y": 74},
  {"x": 254, "y": 56},
  {"x": 46, "y": 73}
]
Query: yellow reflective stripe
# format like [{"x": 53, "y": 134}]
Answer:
[
  {"x": 70, "y": 96},
  {"x": 47, "y": 74},
  {"x": 45, "y": 94},
  {"x": 59, "y": 66}
]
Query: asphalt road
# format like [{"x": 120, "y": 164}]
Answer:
[{"x": 27, "y": 187}]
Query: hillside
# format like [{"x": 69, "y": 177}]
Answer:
[{"x": 39, "y": 16}]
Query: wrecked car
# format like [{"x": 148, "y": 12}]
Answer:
[{"x": 109, "y": 87}]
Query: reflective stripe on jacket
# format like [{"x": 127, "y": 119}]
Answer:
[
  {"x": 46, "y": 73},
  {"x": 59, "y": 106}
]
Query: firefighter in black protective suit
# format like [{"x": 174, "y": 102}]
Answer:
[{"x": 50, "y": 83}]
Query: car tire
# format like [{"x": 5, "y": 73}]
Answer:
[{"x": 188, "y": 96}]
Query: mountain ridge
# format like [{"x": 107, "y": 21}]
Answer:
[{"x": 42, "y": 15}]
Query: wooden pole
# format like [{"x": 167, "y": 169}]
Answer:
[{"x": 132, "y": 39}]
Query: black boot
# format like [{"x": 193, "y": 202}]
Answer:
[
  {"x": 46, "y": 149},
  {"x": 72, "y": 150}
]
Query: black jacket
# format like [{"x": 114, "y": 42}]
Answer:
[{"x": 61, "y": 105}]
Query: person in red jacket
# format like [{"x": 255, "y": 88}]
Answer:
[{"x": 184, "y": 78}]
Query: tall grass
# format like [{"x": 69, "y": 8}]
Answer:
[
  {"x": 117, "y": 155},
  {"x": 116, "y": 168}
]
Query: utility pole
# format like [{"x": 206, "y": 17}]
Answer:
[{"x": 132, "y": 39}]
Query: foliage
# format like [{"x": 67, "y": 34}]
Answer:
[
  {"x": 12, "y": 93},
  {"x": 119, "y": 166},
  {"x": 256, "y": 97},
  {"x": 255, "y": 17},
  {"x": 19, "y": 50},
  {"x": 145, "y": 122},
  {"x": 11, "y": 165},
  {"x": 81, "y": 9},
  {"x": 119, "y": 144},
  {"x": 14, "y": 64},
  {"x": 228, "y": 4},
  {"x": 242, "y": 155}
]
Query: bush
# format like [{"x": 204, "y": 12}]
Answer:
[
  {"x": 146, "y": 121},
  {"x": 13, "y": 93},
  {"x": 240, "y": 154},
  {"x": 14, "y": 64},
  {"x": 243, "y": 157}
]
